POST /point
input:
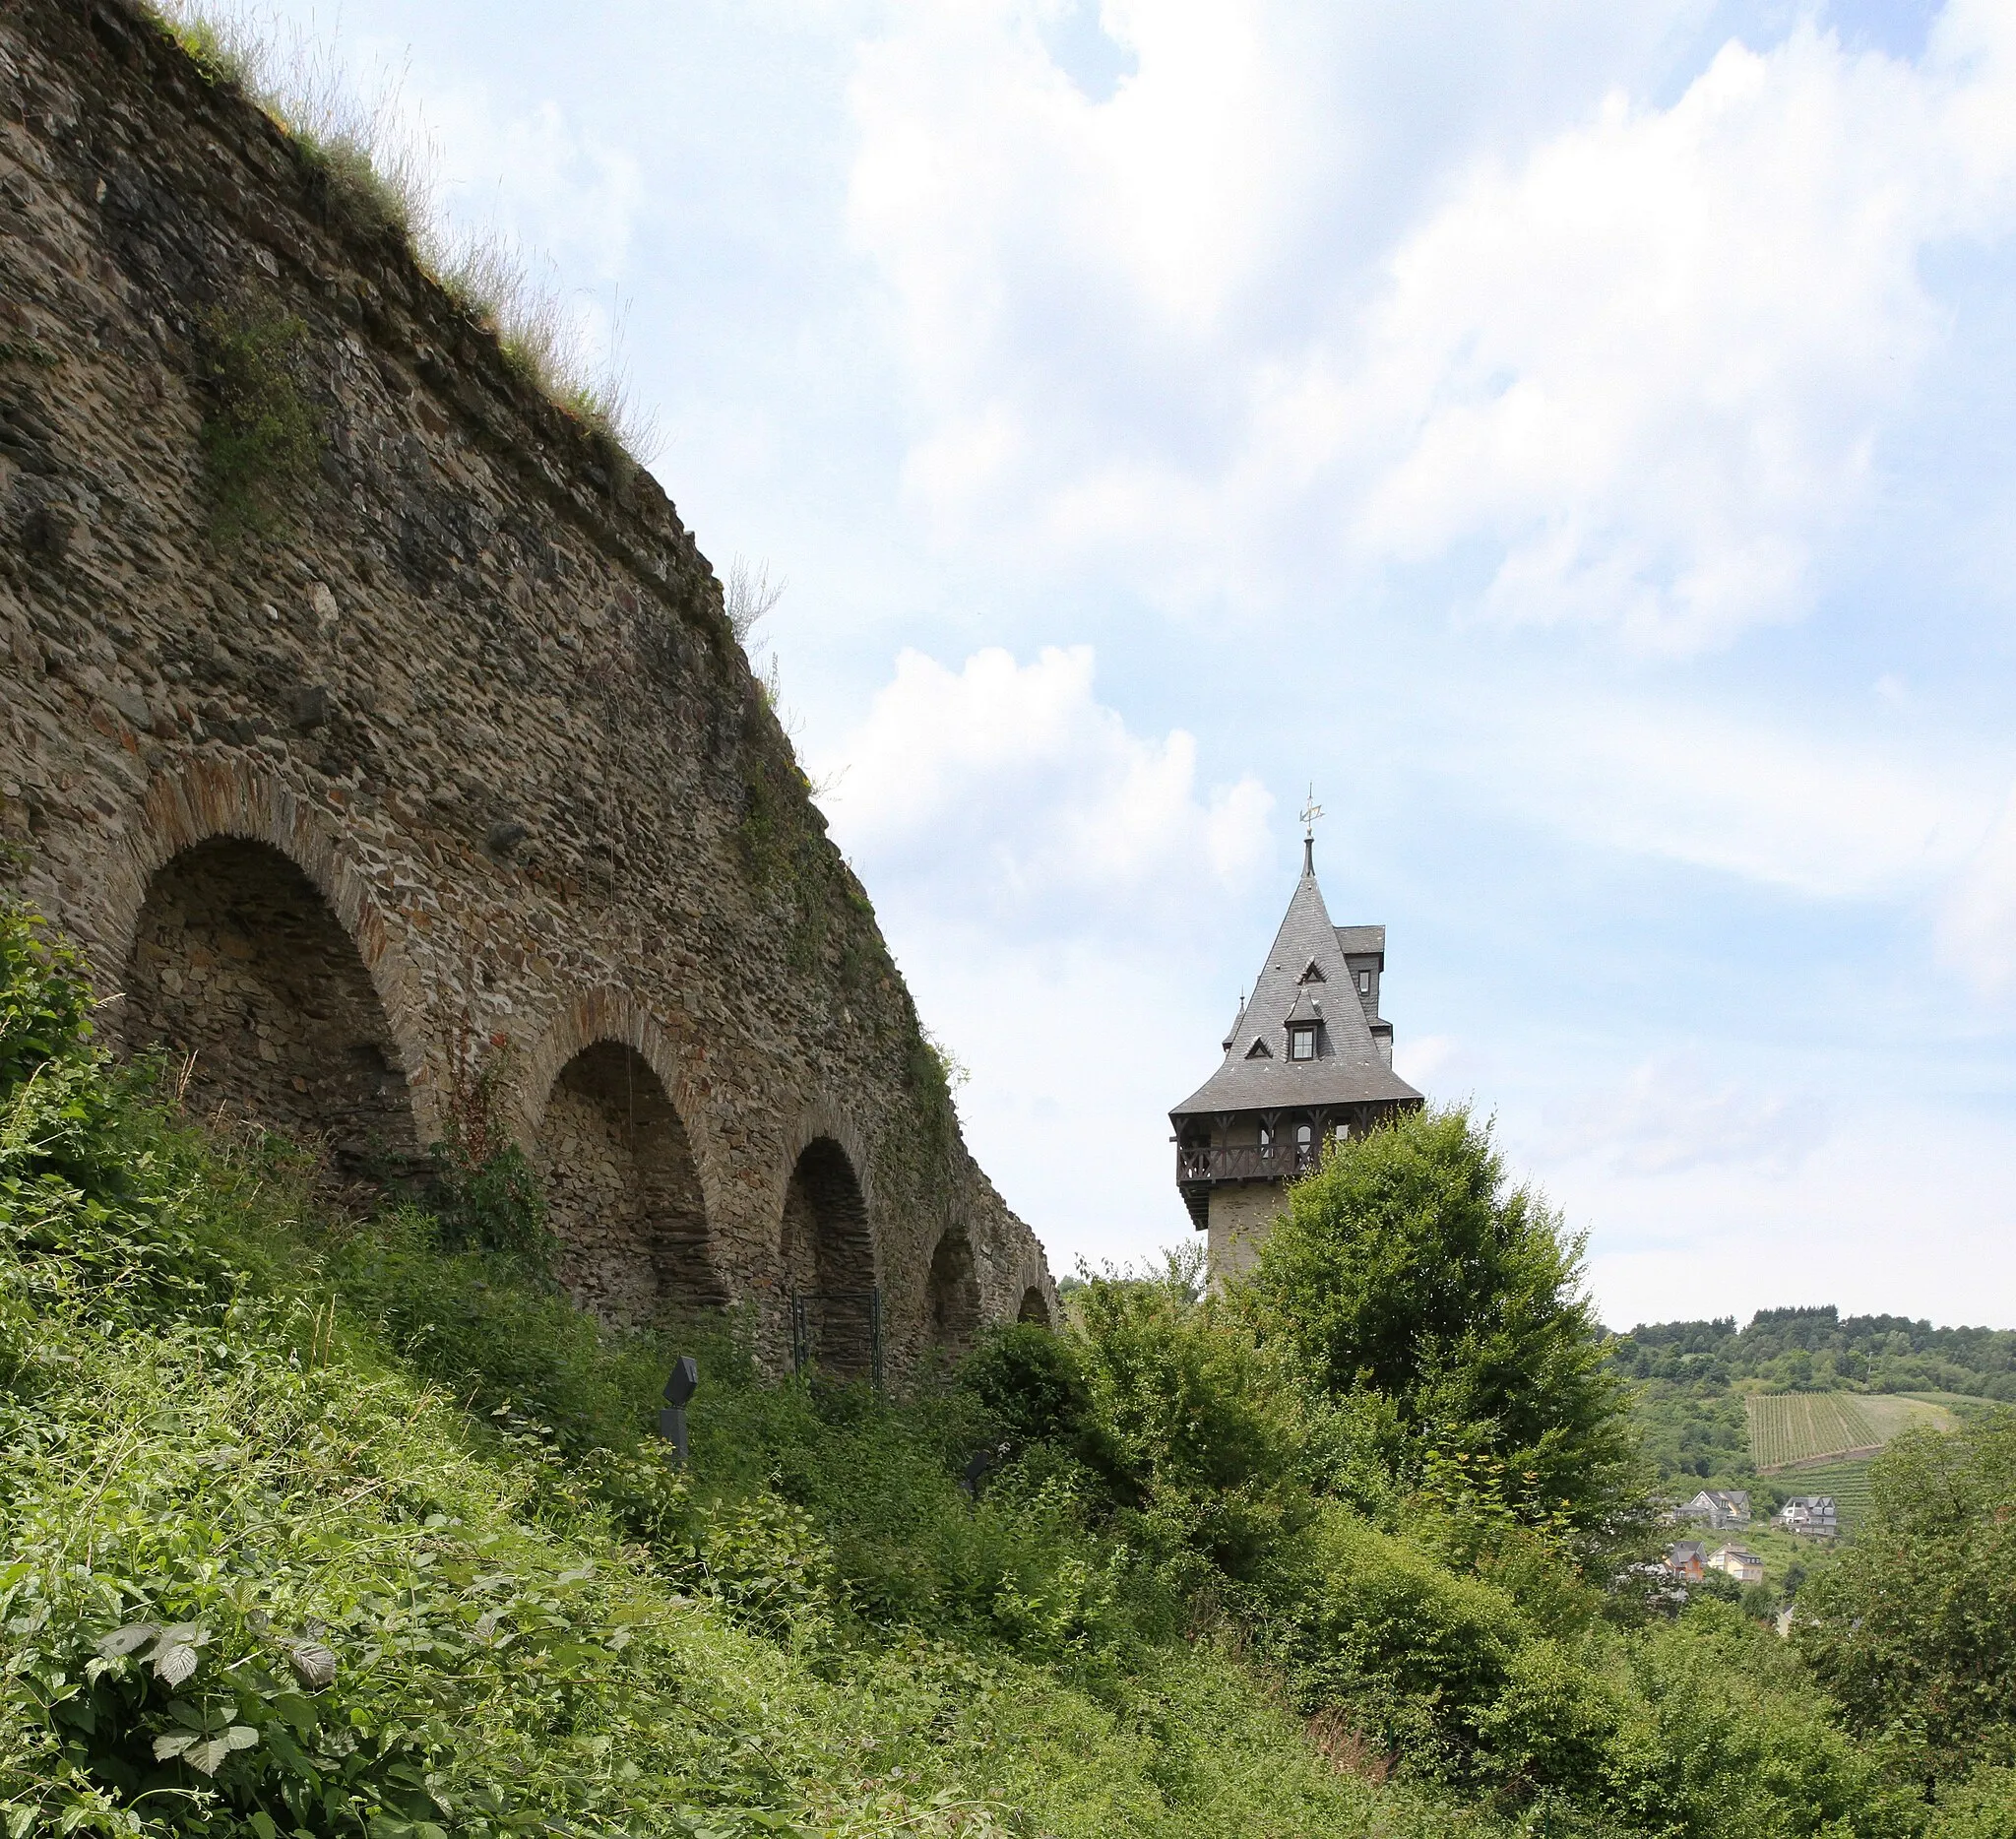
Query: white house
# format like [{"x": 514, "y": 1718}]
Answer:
[
  {"x": 1812, "y": 1516},
  {"x": 1716, "y": 1508}
]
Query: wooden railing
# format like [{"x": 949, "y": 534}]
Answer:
[{"x": 1247, "y": 1162}]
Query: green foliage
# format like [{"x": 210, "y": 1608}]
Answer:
[
  {"x": 1194, "y": 1426},
  {"x": 1690, "y": 1377},
  {"x": 324, "y": 1527},
  {"x": 215, "y": 51},
  {"x": 931, "y": 1075},
  {"x": 1913, "y": 1626},
  {"x": 44, "y": 1002},
  {"x": 496, "y": 1204},
  {"x": 262, "y": 437},
  {"x": 1031, "y": 1383},
  {"x": 264, "y": 1573},
  {"x": 1820, "y": 1349},
  {"x": 343, "y": 167},
  {"x": 486, "y": 1195},
  {"x": 1726, "y": 1738},
  {"x": 1370, "y": 1620},
  {"x": 1407, "y": 1266},
  {"x": 1984, "y": 1807}
]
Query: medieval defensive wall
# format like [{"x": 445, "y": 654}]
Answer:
[{"x": 442, "y": 780}]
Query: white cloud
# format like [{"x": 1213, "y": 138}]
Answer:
[
  {"x": 1831, "y": 817},
  {"x": 1856, "y": 1225},
  {"x": 1053, "y": 884},
  {"x": 1978, "y": 926},
  {"x": 1650, "y": 362},
  {"x": 540, "y": 176},
  {"x": 1017, "y": 784},
  {"x": 1430, "y": 1063},
  {"x": 1646, "y": 362},
  {"x": 1678, "y": 1112}
]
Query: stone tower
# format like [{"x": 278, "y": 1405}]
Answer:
[{"x": 1308, "y": 1059}]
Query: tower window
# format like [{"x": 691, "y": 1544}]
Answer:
[
  {"x": 1301, "y": 1043},
  {"x": 1365, "y": 983}
]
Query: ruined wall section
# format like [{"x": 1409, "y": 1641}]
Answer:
[{"x": 479, "y": 691}]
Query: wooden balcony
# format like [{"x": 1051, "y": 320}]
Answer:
[{"x": 1247, "y": 1162}]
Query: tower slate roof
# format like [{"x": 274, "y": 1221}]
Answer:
[{"x": 1305, "y": 978}]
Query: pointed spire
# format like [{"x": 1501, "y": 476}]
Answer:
[{"x": 1310, "y": 813}]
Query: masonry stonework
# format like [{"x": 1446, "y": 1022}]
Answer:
[
  {"x": 1241, "y": 1216},
  {"x": 460, "y": 767}
]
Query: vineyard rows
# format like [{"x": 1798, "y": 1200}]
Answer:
[{"x": 1809, "y": 1426}]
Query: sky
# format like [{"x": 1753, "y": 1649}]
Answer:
[{"x": 1577, "y": 440}]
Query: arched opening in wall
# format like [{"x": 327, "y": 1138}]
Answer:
[
  {"x": 1034, "y": 1308},
  {"x": 955, "y": 1292},
  {"x": 239, "y": 961},
  {"x": 829, "y": 1261},
  {"x": 622, "y": 1189}
]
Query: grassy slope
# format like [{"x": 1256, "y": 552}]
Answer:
[
  {"x": 249, "y": 1424},
  {"x": 319, "y": 1528}
]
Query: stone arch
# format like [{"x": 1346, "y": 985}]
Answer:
[
  {"x": 828, "y": 1250},
  {"x": 1034, "y": 1309},
  {"x": 628, "y": 1173},
  {"x": 242, "y": 934},
  {"x": 953, "y": 1292}
]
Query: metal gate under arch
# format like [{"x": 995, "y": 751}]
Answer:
[{"x": 857, "y": 1314}]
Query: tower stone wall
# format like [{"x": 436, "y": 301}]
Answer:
[{"x": 1241, "y": 1216}]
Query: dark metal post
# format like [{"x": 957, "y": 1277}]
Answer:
[
  {"x": 679, "y": 1390},
  {"x": 876, "y": 1334}
]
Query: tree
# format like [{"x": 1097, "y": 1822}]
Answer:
[
  {"x": 1913, "y": 1626},
  {"x": 1196, "y": 1429},
  {"x": 1409, "y": 1266}
]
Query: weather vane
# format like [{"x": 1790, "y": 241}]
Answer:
[{"x": 1310, "y": 813}]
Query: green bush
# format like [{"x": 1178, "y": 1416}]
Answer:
[
  {"x": 1371, "y": 1622},
  {"x": 1725, "y": 1738},
  {"x": 1031, "y": 1383},
  {"x": 264, "y": 1572},
  {"x": 1983, "y": 1806},
  {"x": 44, "y": 1002},
  {"x": 1913, "y": 1625},
  {"x": 1193, "y": 1425},
  {"x": 1408, "y": 1267}
]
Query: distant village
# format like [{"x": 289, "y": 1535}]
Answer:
[{"x": 1725, "y": 1510}]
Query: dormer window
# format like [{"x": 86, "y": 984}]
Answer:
[
  {"x": 1302, "y": 1043},
  {"x": 1365, "y": 983}
]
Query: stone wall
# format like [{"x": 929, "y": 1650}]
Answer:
[
  {"x": 457, "y": 767},
  {"x": 1242, "y": 1214}
]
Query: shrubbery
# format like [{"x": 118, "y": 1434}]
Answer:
[
  {"x": 1914, "y": 1625},
  {"x": 1408, "y": 1267},
  {"x": 316, "y": 1526}
]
